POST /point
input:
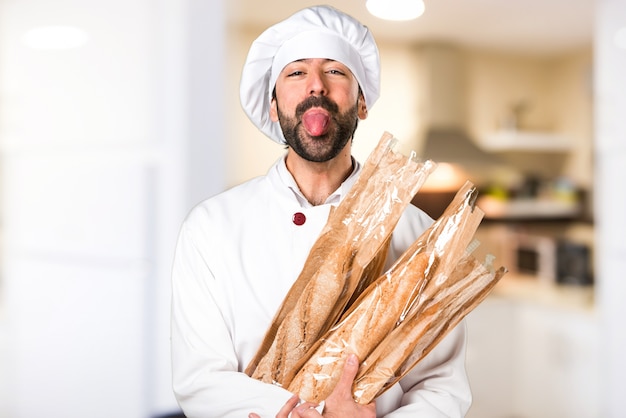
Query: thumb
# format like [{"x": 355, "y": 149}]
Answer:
[{"x": 350, "y": 370}]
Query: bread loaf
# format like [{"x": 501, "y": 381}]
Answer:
[
  {"x": 293, "y": 338},
  {"x": 450, "y": 282},
  {"x": 442, "y": 306},
  {"x": 351, "y": 246},
  {"x": 374, "y": 315}
]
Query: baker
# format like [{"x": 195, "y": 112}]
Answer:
[{"x": 306, "y": 83}]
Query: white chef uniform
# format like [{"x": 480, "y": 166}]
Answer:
[{"x": 237, "y": 256}]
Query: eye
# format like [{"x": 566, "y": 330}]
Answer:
[
  {"x": 336, "y": 71},
  {"x": 295, "y": 73}
]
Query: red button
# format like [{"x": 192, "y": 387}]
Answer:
[{"x": 298, "y": 218}]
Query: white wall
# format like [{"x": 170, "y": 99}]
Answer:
[
  {"x": 610, "y": 202},
  {"x": 104, "y": 148}
]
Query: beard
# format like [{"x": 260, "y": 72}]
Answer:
[{"x": 324, "y": 147}]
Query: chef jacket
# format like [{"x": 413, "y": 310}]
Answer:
[{"x": 237, "y": 255}]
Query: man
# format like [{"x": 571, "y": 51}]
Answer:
[{"x": 306, "y": 83}]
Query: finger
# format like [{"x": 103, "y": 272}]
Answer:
[
  {"x": 253, "y": 415},
  {"x": 350, "y": 369},
  {"x": 288, "y": 407},
  {"x": 306, "y": 410},
  {"x": 306, "y": 405}
]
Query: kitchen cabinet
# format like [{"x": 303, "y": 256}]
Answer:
[
  {"x": 534, "y": 112},
  {"x": 557, "y": 363},
  {"x": 534, "y": 354},
  {"x": 491, "y": 344}
]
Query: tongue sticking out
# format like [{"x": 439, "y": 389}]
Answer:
[{"x": 315, "y": 122}]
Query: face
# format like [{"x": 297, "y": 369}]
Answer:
[{"x": 318, "y": 105}]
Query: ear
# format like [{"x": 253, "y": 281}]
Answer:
[
  {"x": 273, "y": 111},
  {"x": 361, "y": 107}
]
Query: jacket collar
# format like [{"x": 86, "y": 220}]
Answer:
[{"x": 281, "y": 177}]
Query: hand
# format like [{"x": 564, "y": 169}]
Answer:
[{"x": 339, "y": 404}]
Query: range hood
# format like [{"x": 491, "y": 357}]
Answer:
[
  {"x": 442, "y": 97},
  {"x": 456, "y": 147}
]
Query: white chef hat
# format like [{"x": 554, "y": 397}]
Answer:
[{"x": 315, "y": 32}]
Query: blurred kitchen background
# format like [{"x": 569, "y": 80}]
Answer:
[{"x": 117, "y": 117}]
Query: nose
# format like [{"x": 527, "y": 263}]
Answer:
[{"x": 317, "y": 84}]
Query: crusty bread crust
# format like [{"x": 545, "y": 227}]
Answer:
[
  {"x": 391, "y": 324},
  {"x": 375, "y": 314},
  {"x": 352, "y": 246},
  {"x": 441, "y": 307}
]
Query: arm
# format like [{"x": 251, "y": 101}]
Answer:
[{"x": 206, "y": 379}]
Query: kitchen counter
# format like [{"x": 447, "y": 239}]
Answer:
[
  {"x": 528, "y": 288},
  {"x": 533, "y": 351}
]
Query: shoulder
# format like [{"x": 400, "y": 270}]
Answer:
[
  {"x": 216, "y": 215},
  {"x": 223, "y": 203}
]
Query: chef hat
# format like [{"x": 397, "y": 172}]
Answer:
[{"x": 316, "y": 32}]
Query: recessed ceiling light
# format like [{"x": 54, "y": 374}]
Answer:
[
  {"x": 396, "y": 9},
  {"x": 55, "y": 37}
]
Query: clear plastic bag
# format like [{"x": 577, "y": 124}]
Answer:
[
  {"x": 404, "y": 313},
  {"x": 349, "y": 253},
  {"x": 443, "y": 305}
]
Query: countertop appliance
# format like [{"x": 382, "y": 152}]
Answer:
[{"x": 550, "y": 259}]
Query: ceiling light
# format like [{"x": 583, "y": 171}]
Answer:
[
  {"x": 395, "y": 9},
  {"x": 55, "y": 37}
]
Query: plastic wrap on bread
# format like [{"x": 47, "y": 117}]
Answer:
[
  {"x": 349, "y": 253},
  {"x": 343, "y": 302}
]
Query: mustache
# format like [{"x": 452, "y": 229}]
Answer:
[{"x": 316, "y": 101}]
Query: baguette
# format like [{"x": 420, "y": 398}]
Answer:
[
  {"x": 292, "y": 337},
  {"x": 439, "y": 249},
  {"x": 332, "y": 236},
  {"x": 374, "y": 315},
  {"x": 442, "y": 307},
  {"x": 352, "y": 246}
]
